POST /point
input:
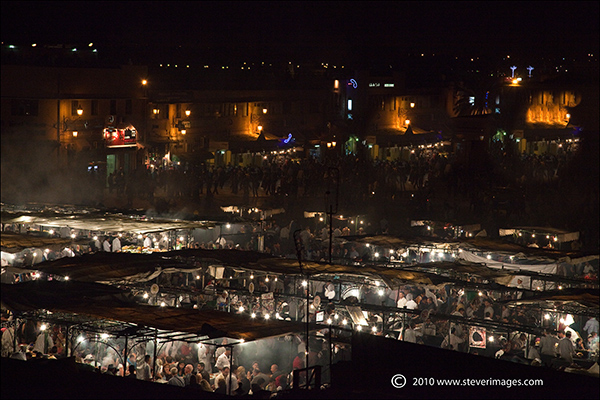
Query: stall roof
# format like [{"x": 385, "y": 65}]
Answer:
[
  {"x": 575, "y": 301},
  {"x": 561, "y": 235},
  {"x": 110, "y": 267},
  {"x": 474, "y": 243},
  {"x": 103, "y": 222},
  {"x": 16, "y": 242},
  {"x": 111, "y": 303},
  {"x": 131, "y": 267}
]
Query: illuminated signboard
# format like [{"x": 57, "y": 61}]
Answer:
[{"x": 115, "y": 137}]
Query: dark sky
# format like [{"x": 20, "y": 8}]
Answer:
[{"x": 419, "y": 26}]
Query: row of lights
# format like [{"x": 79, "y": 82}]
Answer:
[{"x": 533, "y": 235}]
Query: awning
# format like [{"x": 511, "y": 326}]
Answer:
[
  {"x": 103, "y": 222},
  {"x": 108, "y": 302},
  {"x": 15, "y": 242}
]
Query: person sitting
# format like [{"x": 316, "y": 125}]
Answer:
[
  {"x": 202, "y": 372},
  {"x": 176, "y": 379},
  {"x": 533, "y": 353},
  {"x": 205, "y": 385},
  {"x": 224, "y": 374},
  {"x": 221, "y": 386},
  {"x": 243, "y": 382}
]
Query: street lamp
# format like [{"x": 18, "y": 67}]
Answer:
[
  {"x": 79, "y": 111},
  {"x": 187, "y": 112}
]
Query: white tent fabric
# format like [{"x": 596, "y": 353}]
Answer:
[{"x": 551, "y": 268}]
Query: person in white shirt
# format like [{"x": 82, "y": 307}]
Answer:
[
  {"x": 223, "y": 360},
  {"x": 410, "y": 303},
  {"x": 116, "y": 244},
  {"x": 97, "y": 245},
  {"x": 106, "y": 245},
  {"x": 591, "y": 326},
  {"x": 401, "y": 300},
  {"x": 148, "y": 241},
  {"x": 410, "y": 335},
  {"x": 205, "y": 356}
]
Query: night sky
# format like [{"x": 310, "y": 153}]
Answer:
[{"x": 399, "y": 26}]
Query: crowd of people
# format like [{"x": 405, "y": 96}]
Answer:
[{"x": 257, "y": 368}]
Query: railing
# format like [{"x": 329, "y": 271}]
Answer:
[{"x": 313, "y": 381}]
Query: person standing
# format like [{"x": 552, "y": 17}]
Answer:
[
  {"x": 591, "y": 326},
  {"x": 148, "y": 241},
  {"x": 106, "y": 245},
  {"x": 548, "y": 345},
  {"x": 143, "y": 370},
  {"x": 565, "y": 347},
  {"x": 223, "y": 360},
  {"x": 116, "y": 244}
]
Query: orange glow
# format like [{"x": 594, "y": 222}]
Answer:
[{"x": 550, "y": 114}]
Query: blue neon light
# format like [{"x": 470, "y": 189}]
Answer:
[
  {"x": 288, "y": 138},
  {"x": 354, "y": 83}
]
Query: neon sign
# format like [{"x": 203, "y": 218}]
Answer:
[
  {"x": 353, "y": 83},
  {"x": 289, "y": 138}
]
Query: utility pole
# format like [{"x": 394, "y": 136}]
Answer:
[
  {"x": 333, "y": 182},
  {"x": 299, "y": 249}
]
